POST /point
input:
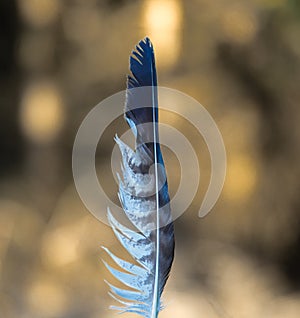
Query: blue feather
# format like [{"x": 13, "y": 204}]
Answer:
[{"x": 143, "y": 193}]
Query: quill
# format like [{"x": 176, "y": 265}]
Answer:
[{"x": 143, "y": 193}]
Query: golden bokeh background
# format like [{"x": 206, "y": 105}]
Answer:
[{"x": 241, "y": 60}]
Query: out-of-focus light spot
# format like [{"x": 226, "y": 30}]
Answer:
[
  {"x": 241, "y": 178},
  {"x": 61, "y": 246},
  {"x": 46, "y": 298},
  {"x": 240, "y": 127},
  {"x": 239, "y": 25},
  {"x": 41, "y": 112},
  {"x": 18, "y": 223},
  {"x": 82, "y": 226},
  {"x": 248, "y": 299},
  {"x": 193, "y": 305},
  {"x": 39, "y": 13},
  {"x": 162, "y": 21}
]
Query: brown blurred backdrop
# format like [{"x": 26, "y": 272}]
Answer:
[{"x": 240, "y": 59}]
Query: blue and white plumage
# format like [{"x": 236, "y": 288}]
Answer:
[{"x": 143, "y": 193}]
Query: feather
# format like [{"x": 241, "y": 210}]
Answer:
[{"x": 143, "y": 193}]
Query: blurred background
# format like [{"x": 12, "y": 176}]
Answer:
[{"x": 240, "y": 59}]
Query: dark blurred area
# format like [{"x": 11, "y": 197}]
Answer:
[{"x": 240, "y": 59}]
